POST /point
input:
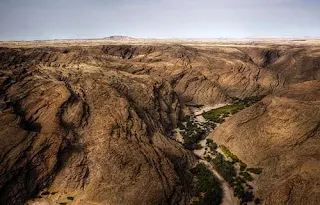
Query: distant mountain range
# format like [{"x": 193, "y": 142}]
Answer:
[{"x": 119, "y": 38}]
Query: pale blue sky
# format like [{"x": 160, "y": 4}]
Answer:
[{"x": 53, "y": 19}]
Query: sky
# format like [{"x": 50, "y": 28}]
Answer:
[{"x": 74, "y": 19}]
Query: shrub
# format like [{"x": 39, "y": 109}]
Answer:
[
  {"x": 70, "y": 198},
  {"x": 207, "y": 184},
  {"x": 208, "y": 158},
  {"x": 65, "y": 51},
  {"x": 238, "y": 187},
  {"x": 239, "y": 191},
  {"x": 213, "y": 125},
  {"x": 239, "y": 180},
  {"x": 225, "y": 168},
  {"x": 243, "y": 166},
  {"x": 209, "y": 141},
  {"x": 197, "y": 146},
  {"x": 212, "y": 145},
  {"x": 227, "y": 152},
  {"x": 255, "y": 170},
  {"x": 247, "y": 176},
  {"x": 192, "y": 136},
  {"x": 247, "y": 197}
]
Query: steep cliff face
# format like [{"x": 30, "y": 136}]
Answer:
[{"x": 281, "y": 135}]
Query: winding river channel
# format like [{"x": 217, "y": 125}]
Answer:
[
  {"x": 197, "y": 118},
  {"x": 228, "y": 197}
]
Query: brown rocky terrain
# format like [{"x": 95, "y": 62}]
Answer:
[
  {"x": 281, "y": 135},
  {"x": 94, "y": 122}
]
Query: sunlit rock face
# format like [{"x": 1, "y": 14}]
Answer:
[{"x": 281, "y": 135}]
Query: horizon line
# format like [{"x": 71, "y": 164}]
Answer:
[{"x": 171, "y": 38}]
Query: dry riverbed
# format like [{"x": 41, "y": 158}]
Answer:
[{"x": 205, "y": 153}]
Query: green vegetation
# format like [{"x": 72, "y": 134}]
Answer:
[
  {"x": 208, "y": 158},
  {"x": 218, "y": 115},
  {"x": 255, "y": 170},
  {"x": 213, "y": 125},
  {"x": 63, "y": 203},
  {"x": 238, "y": 187},
  {"x": 70, "y": 198},
  {"x": 192, "y": 138},
  {"x": 247, "y": 176},
  {"x": 192, "y": 135},
  {"x": 208, "y": 188},
  {"x": 225, "y": 168},
  {"x": 243, "y": 166},
  {"x": 228, "y": 154},
  {"x": 212, "y": 145},
  {"x": 238, "y": 190}
]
